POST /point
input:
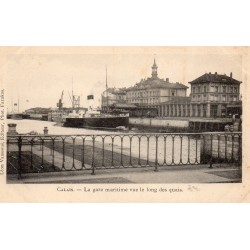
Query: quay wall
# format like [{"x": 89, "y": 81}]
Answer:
[
  {"x": 190, "y": 125},
  {"x": 158, "y": 122}
]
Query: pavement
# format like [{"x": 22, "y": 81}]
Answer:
[{"x": 174, "y": 174}]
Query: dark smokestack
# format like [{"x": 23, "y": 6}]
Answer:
[{"x": 231, "y": 74}]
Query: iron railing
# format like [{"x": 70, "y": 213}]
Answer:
[{"x": 48, "y": 153}]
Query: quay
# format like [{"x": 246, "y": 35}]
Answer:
[{"x": 94, "y": 154}]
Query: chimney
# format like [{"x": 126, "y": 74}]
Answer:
[
  {"x": 215, "y": 75},
  {"x": 167, "y": 80},
  {"x": 231, "y": 74}
]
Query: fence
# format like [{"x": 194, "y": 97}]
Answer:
[{"x": 49, "y": 153}]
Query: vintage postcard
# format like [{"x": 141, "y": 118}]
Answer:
[{"x": 124, "y": 124}]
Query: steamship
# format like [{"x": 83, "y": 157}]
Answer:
[
  {"x": 94, "y": 118},
  {"x": 97, "y": 120}
]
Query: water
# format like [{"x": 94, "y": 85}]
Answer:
[
  {"x": 174, "y": 150},
  {"x": 26, "y": 126}
]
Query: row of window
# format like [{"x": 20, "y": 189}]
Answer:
[
  {"x": 216, "y": 89},
  {"x": 141, "y": 94},
  {"x": 195, "y": 110},
  {"x": 223, "y": 98},
  {"x": 151, "y": 100}
]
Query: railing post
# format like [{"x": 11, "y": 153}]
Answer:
[
  {"x": 73, "y": 154},
  {"x": 156, "y": 154},
  {"x": 93, "y": 157},
  {"x": 165, "y": 149},
  {"x": 31, "y": 153},
  {"x": 181, "y": 149},
  {"x": 19, "y": 157},
  {"x": 63, "y": 153},
  {"x": 139, "y": 142},
  {"x": 240, "y": 151},
  {"x": 211, "y": 152},
  {"x": 147, "y": 150},
  {"x": 42, "y": 144},
  {"x": 122, "y": 151}
]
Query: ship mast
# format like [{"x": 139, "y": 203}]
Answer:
[
  {"x": 18, "y": 104},
  {"x": 72, "y": 94},
  {"x": 107, "y": 88}
]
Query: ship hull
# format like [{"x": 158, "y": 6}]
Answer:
[
  {"x": 97, "y": 122},
  {"x": 18, "y": 116}
]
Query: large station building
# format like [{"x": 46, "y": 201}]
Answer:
[
  {"x": 147, "y": 93},
  {"x": 212, "y": 95},
  {"x": 154, "y": 90}
]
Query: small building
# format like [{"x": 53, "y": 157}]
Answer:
[
  {"x": 113, "y": 96},
  {"x": 38, "y": 113},
  {"x": 134, "y": 110}
]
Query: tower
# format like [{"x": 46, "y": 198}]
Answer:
[{"x": 154, "y": 70}]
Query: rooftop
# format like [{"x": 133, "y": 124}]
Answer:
[
  {"x": 123, "y": 105},
  {"x": 216, "y": 78},
  {"x": 156, "y": 82}
]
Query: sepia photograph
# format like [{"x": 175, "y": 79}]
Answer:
[
  {"x": 143, "y": 115},
  {"x": 124, "y": 124}
]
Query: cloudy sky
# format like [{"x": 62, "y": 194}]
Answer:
[{"x": 38, "y": 78}]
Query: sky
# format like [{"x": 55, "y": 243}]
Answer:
[{"x": 38, "y": 79}]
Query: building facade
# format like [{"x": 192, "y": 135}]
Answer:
[
  {"x": 211, "y": 96},
  {"x": 211, "y": 93},
  {"x": 175, "y": 107},
  {"x": 153, "y": 90}
]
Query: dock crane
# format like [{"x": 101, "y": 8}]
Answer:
[{"x": 60, "y": 103}]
